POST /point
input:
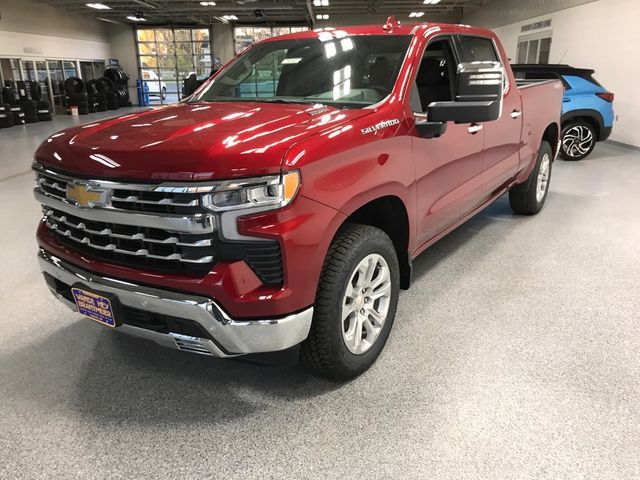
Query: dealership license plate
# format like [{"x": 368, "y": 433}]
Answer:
[{"x": 94, "y": 306}]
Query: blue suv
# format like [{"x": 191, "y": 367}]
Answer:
[{"x": 587, "y": 109}]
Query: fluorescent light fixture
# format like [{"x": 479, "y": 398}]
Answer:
[
  {"x": 230, "y": 17},
  {"x": 136, "y": 19},
  {"x": 98, "y": 6},
  {"x": 431, "y": 2},
  {"x": 208, "y": 4},
  {"x": 320, "y": 3},
  {"x": 416, "y": 14},
  {"x": 322, "y": 16}
]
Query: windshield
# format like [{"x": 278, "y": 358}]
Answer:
[{"x": 338, "y": 70}]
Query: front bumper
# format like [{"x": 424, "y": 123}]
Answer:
[{"x": 226, "y": 337}]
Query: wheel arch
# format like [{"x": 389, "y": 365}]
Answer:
[
  {"x": 389, "y": 214},
  {"x": 590, "y": 116},
  {"x": 552, "y": 136}
]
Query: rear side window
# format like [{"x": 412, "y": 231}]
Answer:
[{"x": 477, "y": 49}]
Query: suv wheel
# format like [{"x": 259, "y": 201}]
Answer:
[
  {"x": 355, "y": 303},
  {"x": 529, "y": 197},
  {"x": 578, "y": 140}
]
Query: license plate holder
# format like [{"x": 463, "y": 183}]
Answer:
[{"x": 98, "y": 307}]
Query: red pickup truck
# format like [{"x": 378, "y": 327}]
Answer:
[{"x": 282, "y": 204}]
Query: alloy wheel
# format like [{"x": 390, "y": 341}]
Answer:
[
  {"x": 365, "y": 305},
  {"x": 577, "y": 141},
  {"x": 543, "y": 177}
]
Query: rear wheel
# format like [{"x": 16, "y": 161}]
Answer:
[
  {"x": 529, "y": 197},
  {"x": 355, "y": 303},
  {"x": 578, "y": 140}
]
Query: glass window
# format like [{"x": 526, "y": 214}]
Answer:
[
  {"x": 545, "y": 50},
  {"x": 477, "y": 49},
  {"x": 532, "y": 56},
  {"x": 522, "y": 52},
  {"x": 324, "y": 69},
  {"x": 146, "y": 35},
  {"x": 168, "y": 55}
]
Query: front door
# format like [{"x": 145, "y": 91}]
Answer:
[
  {"x": 501, "y": 137},
  {"x": 448, "y": 168}
]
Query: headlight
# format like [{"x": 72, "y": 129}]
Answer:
[{"x": 271, "y": 191}]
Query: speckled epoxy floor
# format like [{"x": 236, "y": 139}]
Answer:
[{"x": 515, "y": 355}]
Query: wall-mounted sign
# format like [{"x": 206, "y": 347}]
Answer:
[{"x": 536, "y": 25}]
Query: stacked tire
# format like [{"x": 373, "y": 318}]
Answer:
[
  {"x": 43, "y": 107},
  {"x": 76, "y": 95},
  {"x": 120, "y": 81},
  {"x": 30, "y": 109},
  {"x": 113, "y": 99},
  {"x": 6, "y": 117},
  {"x": 10, "y": 97}
]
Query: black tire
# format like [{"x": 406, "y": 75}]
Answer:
[
  {"x": 6, "y": 117},
  {"x": 36, "y": 91},
  {"x": 325, "y": 349},
  {"x": 74, "y": 85},
  {"x": 163, "y": 93},
  {"x": 21, "y": 88},
  {"x": 9, "y": 96},
  {"x": 29, "y": 107},
  {"x": 578, "y": 140},
  {"x": 524, "y": 198}
]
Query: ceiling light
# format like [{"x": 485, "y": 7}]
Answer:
[
  {"x": 230, "y": 17},
  {"x": 98, "y": 6},
  {"x": 431, "y": 2},
  {"x": 322, "y": 17},
  {"x": 320, "y": 3},
  {"x": 208, "y": 4},
  {"x": 416, "y": 14},
  {"x": 136, "y": 19}
]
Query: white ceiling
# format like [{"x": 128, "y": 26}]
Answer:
[{"x": 271, "y": 11}]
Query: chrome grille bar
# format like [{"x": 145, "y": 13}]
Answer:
[
  {"x": 172, "y": 240},
  {"x": 111, "y": 247},
  {"x": 199, "y": 223}
]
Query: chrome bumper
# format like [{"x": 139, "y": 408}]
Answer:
[{"x": 230, "y": 337}]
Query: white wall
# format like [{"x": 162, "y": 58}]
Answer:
[
  {"x": 603, "y": 35},
  {"x": 36, "y": 29}
]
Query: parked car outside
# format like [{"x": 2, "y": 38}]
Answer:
[
  {"x": 587, "y": 107},
  {"x": 157, "y": 87}
]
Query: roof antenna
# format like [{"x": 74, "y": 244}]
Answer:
[{"x": 392, "y": 22}]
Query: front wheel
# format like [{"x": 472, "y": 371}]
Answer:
[
  {"x": 529, "y": 197},
  {"x": 578, "y": 140},
  {"x": 355, "y": 303},
  {"x": 163, "y": 93}
]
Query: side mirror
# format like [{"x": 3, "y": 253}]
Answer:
[
  {"x": 428, "y": 129},
  {"x": 478, "y": 95}
]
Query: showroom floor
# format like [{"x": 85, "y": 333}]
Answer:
[{"x": 514, "y": 355}]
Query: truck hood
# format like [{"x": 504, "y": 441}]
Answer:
[{"x": 190, "y": 142}]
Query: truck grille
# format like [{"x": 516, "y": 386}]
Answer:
[{"x": 156, "y": 227}]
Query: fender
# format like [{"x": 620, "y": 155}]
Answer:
[{"x": 588, "y": 113}]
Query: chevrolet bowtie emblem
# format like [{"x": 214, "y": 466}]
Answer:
[{"x": 84, "y": 196}]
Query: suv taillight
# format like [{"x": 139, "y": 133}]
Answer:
[{"x": 606, "y": 96}]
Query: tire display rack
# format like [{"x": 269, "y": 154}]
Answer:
[{"x": 21, "y": 103}]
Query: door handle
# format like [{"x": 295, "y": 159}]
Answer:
[
  {"x": 473, "y": 129},
  {"x": 516, "y": 114},
  {"x": 566, "y": 100}
]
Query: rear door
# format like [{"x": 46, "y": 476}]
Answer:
[
  {"x": 501, "y": 137},
  {"x": 449, "y": 168}
]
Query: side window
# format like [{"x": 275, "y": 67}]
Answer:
[
  {"x": 435, "y": 77},
  {"x": 480, "y": 49},
  {"x": 477, "y": 49}
]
